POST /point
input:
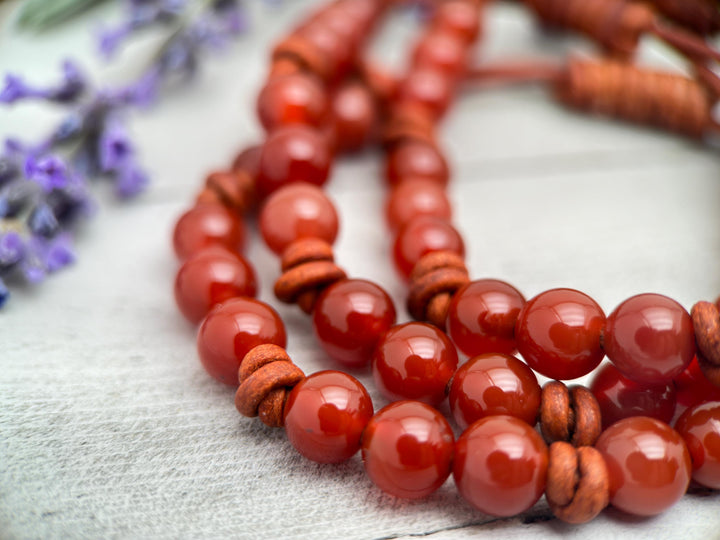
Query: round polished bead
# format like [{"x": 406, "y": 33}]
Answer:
[
  {"x": 349, "y": 318},
  {"x": 293, "y": 154},
  {"x": 460, "y": 17},
  {"x": 693, "y": 387},
  {"x": 407, "y": 449},
  {"x": 648, "y": 465},
  {"x": 416, "y": 159},
  {"x": 248, "y": 160},
  {"x": 332, "y": 46},
  {"x": 423, "y": 235},
  {"x": 430, "y": 88},
  {"x": 415, "y": 197},
  {"x": 231, "y": 329},
  {"x": 414, "y": 361},
  {"x": 297, "y": 98},
  {"x": 297, "y": 211},
  {"x": 325, "y": 416},
  {"x": 558, "y": 334},
  {"x": 650, "y": 338},
  {"x": 443, "y": 51},
  {"x": 210, "y": 277},
  {"x": 620, "y": 397},
  {"x": 699, "y": 426},
  {"x": 207, "y": 224},
  {"x": 500, "y": 465},
  {"x": 482, "y": 316},
  {"x": 354, "y": 116},
  {"x": 493, "y": 384}
]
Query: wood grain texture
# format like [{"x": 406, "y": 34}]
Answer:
[{"x": 110, "y": 428}]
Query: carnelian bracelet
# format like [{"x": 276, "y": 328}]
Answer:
[{"x": 610, "y": 443}]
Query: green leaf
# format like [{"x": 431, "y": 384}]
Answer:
[{"x": 42, "y": 14}]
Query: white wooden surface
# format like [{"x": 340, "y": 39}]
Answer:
[{"x": 109, "y": 427}]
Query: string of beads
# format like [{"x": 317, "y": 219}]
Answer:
[{"x": 322, "y": 98}]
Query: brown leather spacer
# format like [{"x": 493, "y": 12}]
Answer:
[
  {"x": 284, "y": 65},
  {"x": 306, "y": 250},
  {"x": 310, "y": 276},
  {"x": 266, "y": 375},
  {"x": 409, "y": 121},
  {"x": 305, "y": 53},
  {"x": 382, "y": 84},
  {"x": 235, "y": 189},
  {"x": 208, "y": 195},
  {"x": 433, "y": 281},
  {"x": 706, "y": 323},
  {"x": 569, "y": 414},
  {"x": 578, "y": 486}
]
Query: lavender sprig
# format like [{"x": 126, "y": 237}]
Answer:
[{"x": 44, "y": 187}]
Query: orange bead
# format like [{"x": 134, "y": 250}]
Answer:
[
  {"x": 205, "y": 225},
  {"x": 416, "y": 197},
  {"x": 354, "y": 116},
  {"x": 293, "y": 99},
  {"x": 297, "y": 211},
  {"x": 430, "y": 88},
  {"x": 416, "y": 159},
  {"x": 443, "y": 51},
  {"x": 421, "y": 236},
  {"x": 461, "y": 17}
]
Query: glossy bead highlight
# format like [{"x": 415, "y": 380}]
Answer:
[
  {"x": 500, "y": 465},
  {"x": 558, "y": 334},
  {"x": 650, "y": 338},
  {"x": 325, "y": 416},
  {"x": 421, "y": 236},
  {"x": 407, "y": 449},
  {"x": 648, "y": 465},
  {"x": 494, "y": 384},
  {"x": 208, "y": 224},
  {"x": 231, "y": 329},
  {"x": 209, "y": 278},
  {"x": 297, "y": 211},
  {"x": 414, "y": 361},
  {"x": 699, "y": 426},
  {"x": 482, "y": 316},
  {"x": 349, "y": 318}
]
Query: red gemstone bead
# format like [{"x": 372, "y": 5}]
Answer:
[
  {"x": 248, "y": 161},
  {"x": 407, "y": 449},
  {"x": 558, "y": 334},
  {"x": 293, "y": 154},
  {"x": 482, "y": 316},
  {"x": 429, "y": 88},
  {"x": 620, "y": 397},
  {"x": 297, "y": 211},
  {"x": 349, "y": 318},
  {"x": 354, "y": 116},
  {"x": 414, "y": 361},
  {"x": 207, "y": 224},
  {"x": 699, "y": 426},
  {"x": 650, "y": 338},
  {"x": 693, "y": 387},
  {"x": 493, "y": 384},
  {"x": 415, "y": 197},
  {"x": 461, "y": 17},
  {"x": 231, "y": 329},
  {"x": 297, "y": 98},
  {"x": 423, "y": 235},
  {"x": 325, "y": 415},
  {"x": 500, "y": 465},
  {"x": 335, "y": 49},
  {"x": 210, "y": 277},
  {"x": 416, "y": 159},
  {"x": 648, "y": 465},
  {"x": 443, "y": 51}
]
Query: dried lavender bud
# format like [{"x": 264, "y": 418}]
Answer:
[
  {"x": 12, "y": 249},
  {"x": 71, "y": 87},
  {"x": 49, "y": 172},
  {"x": 42, "y": 221}
]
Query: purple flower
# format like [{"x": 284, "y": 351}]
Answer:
[
  {"x": 42, "y": 221},
  {"x": 4, "y": 293},
  {"x": 59, "y": 253},
  {"x": 13, "y": 89},
  {"x": 130, "y": 182},
  {"x": 114, "y": 147},
  {"x": 12, "y": 249},
  {"x": 109, "y": 40},
  {"x": 49, "y": 172}
]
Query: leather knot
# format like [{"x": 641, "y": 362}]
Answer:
[
  {"x": 234, "y": 189},
  {"x": 569, "y": 414},
  {"x": 706, "y": 323},
  {"x": 303, "y": 51},
  {"x": 308, "y": 268},
  {"x": 408, "y": 121},
  {"x": 578, "y": 486},
  {"x": 266, "y": 376},
  {"x": 433, "y": 281}
]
